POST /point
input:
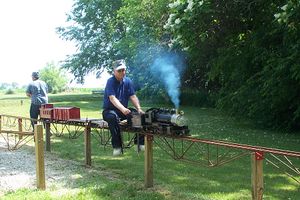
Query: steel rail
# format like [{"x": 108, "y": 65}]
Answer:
[{"x": 233, "y": 145}]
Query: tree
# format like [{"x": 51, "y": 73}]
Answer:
[
  {"x": 54, "y": 77},
  {"x": 106, "y": 30},
  {"x": 245, "y": 53},
  {"x": 94, "y": 33},
  {"x": 4, "y": 86}
]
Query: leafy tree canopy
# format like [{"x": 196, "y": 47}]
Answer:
[
  {"x": 244, "y": 53},
  {"x": 54, "y": 77},
  {"x": 94, "y": 33}
]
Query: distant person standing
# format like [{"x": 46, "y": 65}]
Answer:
[{"x": 37, "y": 90}]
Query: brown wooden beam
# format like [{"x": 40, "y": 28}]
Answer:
[
  {"x": 87, "y": 142},
  {"x": 39, "y": 157},
  {"x": 0, "y": 123},
  {"x": 18, "y": 132},
  {"x": 48, "y": 136},
  {"x": 20, "y": 128},
  {"x": 148, "y": 161},
  {"x": 257, "y": 175}
]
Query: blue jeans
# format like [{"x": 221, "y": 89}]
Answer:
[
  {"x": 113, "y": 117},
  {"x": 34, "y": 113}
]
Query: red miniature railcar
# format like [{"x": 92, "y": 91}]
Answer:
[{"x": 48, "y": 111}]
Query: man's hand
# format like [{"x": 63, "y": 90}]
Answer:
[
  {"x": 136, "y": 103},
  {"x": 118, "y": 105},
  {"x": 140, "y": 111},
  {"x": 126, "y": 111}
]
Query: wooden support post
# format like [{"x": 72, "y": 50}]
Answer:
[
  {"x": 87, "y": 142},
  {"x": 48, "y": 136},
  {"x": 20, "y": 126},
  {"x": 148, "y": 161},
  {"x": 0, "y": 123},
  {"x": 39, "y": 157},
  {"x": 257, "y": 175}
]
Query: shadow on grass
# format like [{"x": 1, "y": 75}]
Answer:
[
  {"x": 86, "y": 103},
  {"x": 73, "y": 97},
  {"x": 172, "y": 179},
  {"x": 13, "y": 98}
]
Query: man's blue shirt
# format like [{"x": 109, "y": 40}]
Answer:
[{"x": 122, "y": 90}]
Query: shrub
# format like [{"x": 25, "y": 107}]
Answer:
[
  {"x": 193, "y": 97},
  {"x": 10, "y": 91}
]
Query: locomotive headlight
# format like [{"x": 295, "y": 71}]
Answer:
[{"x": 178, "y": 120}]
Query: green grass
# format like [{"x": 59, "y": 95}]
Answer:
[{"x": 123, "y": 177}]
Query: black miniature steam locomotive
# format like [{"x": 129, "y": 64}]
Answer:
[{"x": 160, "y": 121}]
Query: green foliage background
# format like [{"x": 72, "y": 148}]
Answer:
[
  {"x": 242, "y": 55},
  {"x": 54, "y": 77}
]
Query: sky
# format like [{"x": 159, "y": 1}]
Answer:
[{"x": 28, "y": 39}]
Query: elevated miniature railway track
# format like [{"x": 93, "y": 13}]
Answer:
[
  {"x": 237, "y": 146},
  {"x": 204, "y": 152}
]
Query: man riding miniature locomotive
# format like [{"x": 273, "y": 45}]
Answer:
[{"x": 118, "y": 91}]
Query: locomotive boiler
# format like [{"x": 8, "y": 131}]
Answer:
[{"x": 160, "y": 121}]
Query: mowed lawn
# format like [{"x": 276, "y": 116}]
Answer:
[{"x": 172, "y": 179}]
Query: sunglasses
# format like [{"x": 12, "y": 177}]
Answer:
[{"x": 121, "y": 70}]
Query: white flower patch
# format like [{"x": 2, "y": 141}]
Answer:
[
  {"x": 178, "y": 40},
  {"x": 201, "y": 3},
  {"x": 166, "y": 26},
  {"x": 186, "y": 48},
  {"x": 169, "y": 23},
  {"x": 277, "y": 15},
  {"x": 190, "y": 5},
  {"x": 174, "y": 4},
  {"x": 284, "y": 7},
  {"x": 170, "y": 45},
  {"x": 177, "y": 21}
]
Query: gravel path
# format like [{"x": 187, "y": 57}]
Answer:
[{"x": 17, "y": 169}]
